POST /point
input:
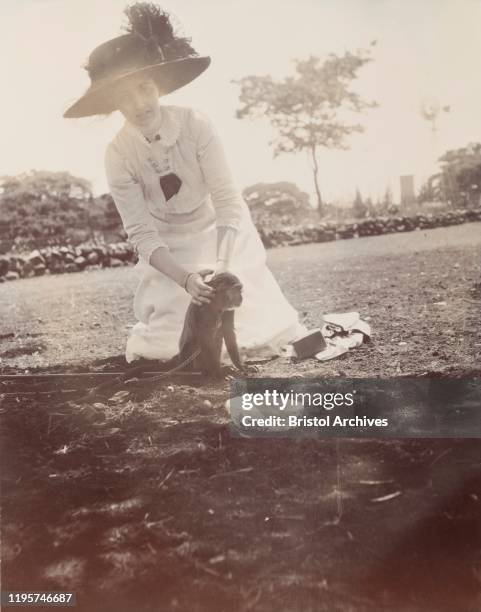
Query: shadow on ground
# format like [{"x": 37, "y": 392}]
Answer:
[{"x": 137, "y": 506}]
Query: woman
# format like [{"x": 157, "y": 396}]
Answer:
[{"x": 172, "y": 186}]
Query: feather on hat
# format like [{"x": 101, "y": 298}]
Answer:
[{"x": 150, "y": 47}]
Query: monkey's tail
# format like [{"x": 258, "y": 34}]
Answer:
[
  {"x": 131, "y": 379},
  {"x": 190, "y": 359}
]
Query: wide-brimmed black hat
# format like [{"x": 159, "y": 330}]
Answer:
[{"x": 150, "y": 48}]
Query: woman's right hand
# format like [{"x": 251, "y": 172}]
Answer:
[{"x": 197, "y": 288}]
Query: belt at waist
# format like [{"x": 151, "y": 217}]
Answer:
[{"x": 201, "y": 216}]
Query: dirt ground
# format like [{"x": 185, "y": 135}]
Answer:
[
  {"x": 144, "y": 501},
  {"x": 418, "y": 288}
]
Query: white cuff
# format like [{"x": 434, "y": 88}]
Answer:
[{"x": 226, "y": 245}]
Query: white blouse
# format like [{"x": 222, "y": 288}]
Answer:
[{"x": 188, "y": 147}]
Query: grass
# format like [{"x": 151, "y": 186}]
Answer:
[{"x": 147, "y": 502}]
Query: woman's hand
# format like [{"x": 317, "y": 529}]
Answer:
[{"x": 197, "y": 288}]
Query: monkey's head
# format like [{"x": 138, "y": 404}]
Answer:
[{"x": 227, "y": 290}]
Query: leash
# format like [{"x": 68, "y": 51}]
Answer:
[{"x": 131, "y": 378}]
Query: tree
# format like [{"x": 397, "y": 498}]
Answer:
[
  {"x": 387, "y": 204},
  {"x": 39, "y": 207},
  {"x": 276, "y": 203},
  {"x": 459, "y": 181},
  {"x": 427, "y": 192},
  {"x": 310, "y": 110},
  {"x": 42, "y": 186},
  {"x": 359, "y": 209},
  {"x": 387, "y": 201},
  {"x": 370, "y": 208},
  {"x": 283, "y": 195}
]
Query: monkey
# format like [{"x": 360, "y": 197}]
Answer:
[
  {"x": 209, "y": 325},
  {"x": 206, "y": 327}
]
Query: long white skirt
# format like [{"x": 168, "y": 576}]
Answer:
[{"x": 264, "y": 322}]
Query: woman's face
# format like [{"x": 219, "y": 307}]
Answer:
[{"x": 137, "y": 99}]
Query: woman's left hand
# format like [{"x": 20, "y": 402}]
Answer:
[{"x": 194, "y": 285}]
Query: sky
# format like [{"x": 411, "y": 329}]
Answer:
[{"x": 426, "y": 52}]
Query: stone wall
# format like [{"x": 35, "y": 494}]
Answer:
[{"x": 64, "y": 259}]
